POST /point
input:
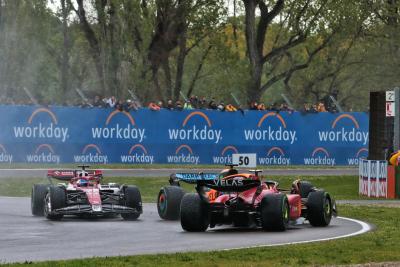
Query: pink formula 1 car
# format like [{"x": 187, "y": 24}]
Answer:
[
  {"x": 83, "y": 194},
  {"x": 245, "y": 200}
]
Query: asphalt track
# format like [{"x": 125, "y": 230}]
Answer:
[
  {"x": 27, "y": 173},
  {"x": 28, "y": 238}
]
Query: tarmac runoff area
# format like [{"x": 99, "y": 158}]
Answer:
[
  {"x": 28, "y": 238},
  {"x": 30, "y": 173}
]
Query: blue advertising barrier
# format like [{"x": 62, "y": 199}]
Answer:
[{"x": 34, "y": 134}]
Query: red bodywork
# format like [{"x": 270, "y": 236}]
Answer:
[
  {"x": 92, "y": 180},
  {"x": 255, "y": 195}
]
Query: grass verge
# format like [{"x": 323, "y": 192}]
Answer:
[
  {"x": 380, "y": 245},
  {"x": 341, "y": 187}
]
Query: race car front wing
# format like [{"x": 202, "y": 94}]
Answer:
[{"x": 95, "y": 209}]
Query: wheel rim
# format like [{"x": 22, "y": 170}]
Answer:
[
  {"x": 327, "y": 208},
  {"x": 162, "y": 202},
  {"x": 286, "y": 212},
  {"x": 47, "y": 205}
]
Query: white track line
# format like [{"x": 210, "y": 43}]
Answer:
[{"x": 365, "y": 227}]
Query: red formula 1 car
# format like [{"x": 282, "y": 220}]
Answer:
[
  {"x": 244, "y": 200},
  {"x": 84, "y": 195}
]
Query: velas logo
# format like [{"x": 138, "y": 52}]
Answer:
[
  {"x": 199, "y": 131},
  {"x": 344, "y": 129},
  {"x": 183, "y": 154},
  {"x": 271, "y": 133},
  {"x": 320, "y": 156},
  {"x": 42, "y": 124},
  {"x": 137, "y": 154},
  {"x": 4, "y": 156},
  {"x": 275, "y": 156},
  {"x": 361, "y": 153},
  {"x": 43, "y": 153},
  {"x": 128, "y": 131},
  {"x": 91, "y": 153},
  {"x": 226, "y": 155}
]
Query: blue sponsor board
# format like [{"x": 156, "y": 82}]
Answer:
[{"x": 34, "y": 134}]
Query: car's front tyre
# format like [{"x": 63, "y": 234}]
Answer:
[
  {"x": 55, "y": 199},
  {"x": 132, "y": 199},
  {"x": 169, "y": 202},
  {"x": 319, "y": 208},
  {"x": 37, "y": 199}
]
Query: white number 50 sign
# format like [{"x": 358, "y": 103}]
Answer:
[{"x": 245, "y": 160}]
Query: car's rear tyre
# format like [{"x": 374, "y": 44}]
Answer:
[
  {"x": 194, "y": 213},
  {"x": 169, "y": 201},
  {"x": 132, "y": 199},
  {"x": 319, "y": 208},
  {"x": 275, "y": 212},
  {"x": 305, "y": 188},
  {"x": 55, "y": 199},
  {"x": 37, "y": 199}
]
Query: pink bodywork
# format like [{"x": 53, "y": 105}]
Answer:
[
  {"x": 93, "y": 181},
  {"x": 248, "y": 195},
  {"x": 92, "y": 189}
]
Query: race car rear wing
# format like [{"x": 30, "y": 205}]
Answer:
[
  {"x": 191, "y": 178},
  {"x": 66, "y": 175},
  {"x": 229, "y": 185}
]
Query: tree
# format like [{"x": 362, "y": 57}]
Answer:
[{"x": 297, "y": 20}]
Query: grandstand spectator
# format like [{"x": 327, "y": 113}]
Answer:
[
  {"x": 111, "y": 102},
  {"x": 131, "y": 105},
  {"x": 221, "y": 106},
  {"x": 120, "y": 105},
  {"x": 253, "y": 106},
  {"x": 314, "y": 109},
  {"x": 321, "y": 107},
  {"x": 285, "y": 107},
  {"x": 202, "y": 103},
  {"x": 170, "y": 105},
  {"x": 178, "y": 105},
  {"x": 261, "y": 106},
  {"x": 274, "y": 107},
  {"x": 212, "y": 104},
  {"x": 154, "y": 107},
  {"x": 97, "y": 102},
  {"x": 160, "y": 104},
  {"x": 194, "y": 101},
  {"x": 187, "y": 105},
  {"x": 230, "y": 108}
]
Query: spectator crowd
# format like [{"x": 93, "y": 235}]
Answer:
[{"x": 194, "y": 102}]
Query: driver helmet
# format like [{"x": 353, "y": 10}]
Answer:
[
  {"x": 82, "y": 182},
  {"x": 226, "y": 172},
  {"x": 83, "y": 174}
]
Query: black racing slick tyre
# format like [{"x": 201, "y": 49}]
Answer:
[
  {"x": 305, "y": 188},
  {"x": 37, "y": 199},
  {"x": 133, "y": 200},
  {"x": 275, "y": 212},
  {"x": 194, "y": 213},
  {"x": 55, "y": 199},
  {"x": 319, "y": 208},
  {"x": 169, "y": 202}
]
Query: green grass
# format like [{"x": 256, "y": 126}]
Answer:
[
  {"x": 341, "y": 187},
  {"x": 380, "y": 245}
]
